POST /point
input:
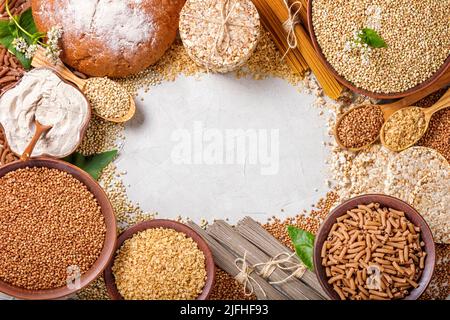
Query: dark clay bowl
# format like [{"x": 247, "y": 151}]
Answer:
[
  {"x": 110, "y": 238},
  {"x": 169, "y": 224},
  {"x": 352, "y": 87},
  {"x": 386, "y": 201}
]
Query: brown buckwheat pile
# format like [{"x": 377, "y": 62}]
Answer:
[{"x": 49, "y": 222}]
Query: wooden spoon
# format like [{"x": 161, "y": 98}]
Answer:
[
  {"x": 40, "y": 61},
  {"x": 443, "y": 103},
  {"x": 391, "y": 108},
  {"x": 40, "y": 130}
]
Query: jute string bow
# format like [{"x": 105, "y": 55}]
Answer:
[
  {"x": 282, "y": 261},
  {"x": 289, "y": 24},
  {"x": 244, "y": 276}
]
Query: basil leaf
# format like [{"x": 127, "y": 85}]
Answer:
[
  {"x": 372, "y": 38},
  {"x": 93, "y": 164},
  {"x": 303, "y": 242}
]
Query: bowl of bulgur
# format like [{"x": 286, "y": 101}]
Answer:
[
  {"x": 374, "y": 247},
  {"x": 160, "y": 260},
  {"x": 57, "y": 229},
  {"x": 416, "y": 50}
]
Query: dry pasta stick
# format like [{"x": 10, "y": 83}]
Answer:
[
  {"x": 336, "y": 278},
  {"x": 277, "y": 8},
  {"x": 339, "y": 292},
  {"x": 293, "y": 57}
]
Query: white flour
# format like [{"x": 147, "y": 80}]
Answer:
[
  {"x": 43, "y": 96},
  {"x": 119, "y": 24}
]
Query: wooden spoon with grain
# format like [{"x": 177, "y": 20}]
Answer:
[
  {"x": 41, "y": 61},
  {"x": 443, "y": 103},
  {"x": 390, "y": 108}
]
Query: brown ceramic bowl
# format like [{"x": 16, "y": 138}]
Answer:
[
  {"x": 387, "y": 201},
  {"x": 110, "y": 239},
  {"x": 169, "y": 224},
  {"x": 351, "y": 86}
]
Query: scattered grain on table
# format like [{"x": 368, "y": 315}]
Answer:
[
  {"x": 101, "y": 136},
  {"x": 127, "y": 212},
  {"x": 265, "y": 62},
  {"x": 305, "y": 220},
  {"x": 439, "y": 287}
]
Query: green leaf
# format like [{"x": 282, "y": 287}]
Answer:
[
  {"x": 4, "y": 28},
  {"x": 372, "y": 38},
  {"x": 9, "y": 31},
  {"x": 303, "y": 242},
  {"x": 6, "y": 41},
  {"x": 93, "y": 164},
  {"x": 26, "y": 21}
]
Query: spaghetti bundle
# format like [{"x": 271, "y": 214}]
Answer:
[{"x": 276, "y": 16}]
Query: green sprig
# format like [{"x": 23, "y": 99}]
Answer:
[{"x": 303, "y": 242}]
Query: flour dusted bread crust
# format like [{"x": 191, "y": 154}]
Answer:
[{"x": 114, "y": 38}]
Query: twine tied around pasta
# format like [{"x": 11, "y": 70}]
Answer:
[
  {"x": 281, "y": 261},
  {"x": 289, "y": 24},
  {"x": 244, "y": 276}
]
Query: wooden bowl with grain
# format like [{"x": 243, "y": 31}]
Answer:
[
  {"x": 385, "y": 201},
  {"x": 167, "y": 224},
  {"x": 109, "y": 244},
  {"x": 376, "y": 95}
]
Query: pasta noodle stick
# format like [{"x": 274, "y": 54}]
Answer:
[{"x": 276, "y": 13}]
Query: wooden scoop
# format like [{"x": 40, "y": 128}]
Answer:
[
  {"x": 40, "y": 61},
  {"x": 40, "y": 130},
  {"x": 391, "y": 108},
  {"x": 444, "y": 102}
]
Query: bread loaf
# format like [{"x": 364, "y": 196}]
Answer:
[{"x": 114, "y": 38}]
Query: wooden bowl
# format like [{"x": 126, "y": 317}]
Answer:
[
  {"x": 110, "y": 239},
  {"x": 386, "y": 201},
  {"x": 169, "y": 224},
  {"x": 351, "y": 86}
]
